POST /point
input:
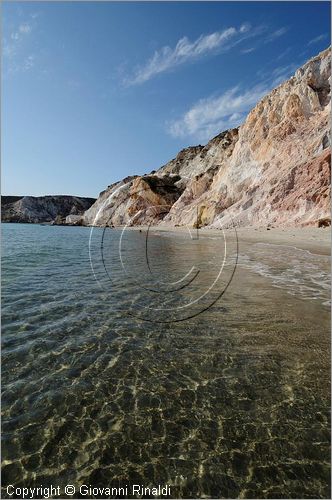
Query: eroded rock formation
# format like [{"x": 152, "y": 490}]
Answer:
[
  {"x": 38, "y": 209},
  {"x": 136, "y": 200},
  {"x": 273, "y": 170}
]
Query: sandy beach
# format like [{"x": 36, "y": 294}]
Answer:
[
  {"x": 313, "y": 239},
  {"x": 316, "y": 240}
]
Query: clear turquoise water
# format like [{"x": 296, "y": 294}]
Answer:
[{"x": 232, "y": 403}]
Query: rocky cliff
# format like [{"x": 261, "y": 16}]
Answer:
[
  {"x": 44, "y": 208},
  {"x": 273, "y": 170}
]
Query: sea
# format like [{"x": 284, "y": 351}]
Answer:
[{"x": 186, "y": 361}]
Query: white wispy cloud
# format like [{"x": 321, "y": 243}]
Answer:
[
  {"x": 13, "y": 48},
  {"x": 276, "y": 34},
  {"x": 15, "y": 38},
  {"x": 248, "y": 50},
  {"x": 278, "y": 72},
  {"x": 24, "y": 28},
  {"x": 317, "y": 39},
  {"x": 211, "y": 115},
  {"x": 284, "y": 53},
  {"x": 185, "y": 51},
  {"x": 28, "y": 62}
]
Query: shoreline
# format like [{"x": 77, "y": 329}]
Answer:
[{"x": 313, "y": 239}]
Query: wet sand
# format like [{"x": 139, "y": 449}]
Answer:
[{"x": 316, "y": 240}]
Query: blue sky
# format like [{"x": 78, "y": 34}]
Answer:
[{"x": 93, "y": 92}]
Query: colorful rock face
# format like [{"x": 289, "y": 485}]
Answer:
[{"x": 272, "y": 170}]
